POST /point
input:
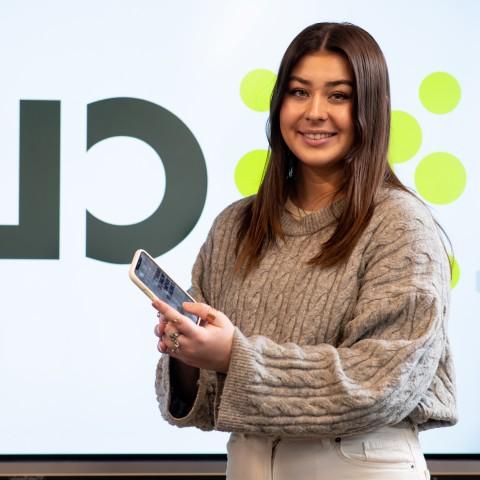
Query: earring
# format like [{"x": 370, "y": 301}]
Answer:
[{"x": 290, "y": 171}]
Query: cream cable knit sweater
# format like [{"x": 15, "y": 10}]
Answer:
[{"x": 328, "y": 351}]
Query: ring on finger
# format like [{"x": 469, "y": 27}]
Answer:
[
  {"x": 174, "y": 337},
  {"x": 176, "y": 344},
  {"x": 174, "y": 320},
  {"x": 210, "y": 315}
]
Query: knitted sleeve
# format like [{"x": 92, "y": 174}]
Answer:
[
  {"x": 210, "y": 384},
  {"x": 385, "y": 363}
]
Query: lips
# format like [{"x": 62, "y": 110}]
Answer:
[
  {"x": 317, "y": 135},
  {"x": 316, "y": 139}
]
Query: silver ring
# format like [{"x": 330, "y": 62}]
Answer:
[
  {"x": 174, "y": 337},
  {"x": 176, "y": 344}
]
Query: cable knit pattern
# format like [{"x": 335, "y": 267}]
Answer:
[{"x": 328, "y": 351}]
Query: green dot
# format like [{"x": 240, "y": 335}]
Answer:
[
  {"x": 256, "y": 89},
  {"x": 440, "y": 92},
  {"x": 440, "y": 178},
  {"x": 249, "y": 171},
  {"x": 405, "y": 137},
  {"x": 455, "y": 271}
]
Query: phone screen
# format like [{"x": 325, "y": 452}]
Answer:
[{"x": 162, "y": 285}]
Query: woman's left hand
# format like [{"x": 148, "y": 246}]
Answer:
[{"x": 206, "y": 346}]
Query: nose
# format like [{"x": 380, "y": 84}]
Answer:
[{"x": 317, "y": 109}]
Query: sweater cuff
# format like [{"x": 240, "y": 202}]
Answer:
[
  {"x": 174, "y": 409},
  {"x": 231, "y": 413}
]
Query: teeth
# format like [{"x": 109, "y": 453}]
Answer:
[{"x": 318, "y": 136}]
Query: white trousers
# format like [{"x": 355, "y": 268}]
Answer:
[{"x": 390, "y": 453}]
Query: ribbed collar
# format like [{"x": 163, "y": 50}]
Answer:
[{"x": 313, "y": 222}]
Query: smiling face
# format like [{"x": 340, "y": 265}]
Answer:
[{"x": 316, "y": 116}]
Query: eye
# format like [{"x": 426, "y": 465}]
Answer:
[
  {"x": 340, "y": 96},
  {"x": 297, "y": 92}
]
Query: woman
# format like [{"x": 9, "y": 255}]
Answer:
[{"x": 324, "y": 298}]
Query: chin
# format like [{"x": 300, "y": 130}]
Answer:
[{"x": 331, "y": 162}]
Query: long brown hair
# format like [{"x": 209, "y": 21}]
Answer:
[{"x": 366, "y": 167}]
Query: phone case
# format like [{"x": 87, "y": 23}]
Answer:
[{"x": 144, "y": 288}]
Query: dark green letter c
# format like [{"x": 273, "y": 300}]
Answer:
[{"x": 185, "y": 182}]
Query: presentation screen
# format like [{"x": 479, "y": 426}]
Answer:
[{"x": 130, "y": 125}]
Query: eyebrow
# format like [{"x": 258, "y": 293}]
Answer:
[{"x": 334, "y": 83}]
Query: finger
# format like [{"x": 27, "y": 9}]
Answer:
[
  {"x": 161, "y": 328},
  {"x": 168, "y": 313},
  {"x": 162, "y": 347},
  {"x": 170, "y": 344},
  {"x": 162, "y": 308},
  {"x": 172, "y": 330},
  {"x": 169, "y": 329},
  {"x": 165, "y": 345},
  {"x": 182, "y": 323},
  {"x": 202, "y": 310},
  {"x": 162, "y": 321}
]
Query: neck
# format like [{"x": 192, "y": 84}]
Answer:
[{"x": 314, "y": 190}]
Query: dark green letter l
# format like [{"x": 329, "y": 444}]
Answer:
[{"x": 37, "y": 232}]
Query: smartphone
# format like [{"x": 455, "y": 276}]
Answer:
[{"x": 157, "y": 284}]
